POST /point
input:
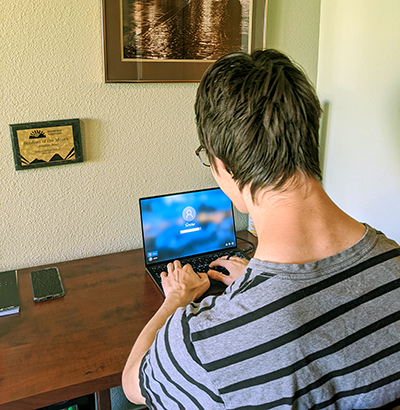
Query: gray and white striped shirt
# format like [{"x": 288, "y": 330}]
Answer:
[{"x": 321, "y": 335}]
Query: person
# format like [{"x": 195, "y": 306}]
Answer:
[{"x": 312, "y": 321}]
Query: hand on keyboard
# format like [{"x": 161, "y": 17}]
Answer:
[
  {"x": 234, "y": 265},
  {"x": 183, "y": 283}
]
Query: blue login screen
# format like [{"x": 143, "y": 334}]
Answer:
[{"x": 185, "y": 224}]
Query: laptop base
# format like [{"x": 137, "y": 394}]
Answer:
[{"x": 199, "y": 264}]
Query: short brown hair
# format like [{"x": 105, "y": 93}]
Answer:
[{"x": 259, "y": 114}]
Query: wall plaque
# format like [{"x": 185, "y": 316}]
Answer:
[{"x": 43, "y": 144}]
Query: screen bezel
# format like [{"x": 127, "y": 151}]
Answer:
[{"x": 227, "y": 248}]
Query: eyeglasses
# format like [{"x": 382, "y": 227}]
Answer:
[{"x": 201, "y": 153}]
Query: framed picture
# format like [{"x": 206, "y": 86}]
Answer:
[
  {"x": 44, "y": 144},
  {"x": 176, "y": 40}
]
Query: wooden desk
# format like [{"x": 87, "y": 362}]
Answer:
[{"x": 77, "y": 345}]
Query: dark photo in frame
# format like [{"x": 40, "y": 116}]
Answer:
[
  {"x": 48, "y": 143},
  {"x": 176, "y": 40}
]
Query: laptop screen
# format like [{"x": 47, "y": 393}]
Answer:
[{"x": 185, "y": 224}]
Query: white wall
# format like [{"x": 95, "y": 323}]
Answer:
[
  {"x": 359, "y": 75},
  {"x": 293, "y": 28},
  {"x": 139, "y": 139}
]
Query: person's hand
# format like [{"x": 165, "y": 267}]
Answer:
[
  {"x": 233, "y": 264},
  {"x": 183, "y": 283}
]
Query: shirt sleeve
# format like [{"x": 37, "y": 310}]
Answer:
[{"x": 171, "y": 376}]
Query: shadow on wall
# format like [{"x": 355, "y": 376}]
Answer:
[
  {"x": 323, "y": 135},
  {"x": 396, "y": 132}
]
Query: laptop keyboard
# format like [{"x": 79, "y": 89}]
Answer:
[{"x": 200, "y": 263}]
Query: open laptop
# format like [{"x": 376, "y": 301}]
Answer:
[{"x": 194, "y": 227}]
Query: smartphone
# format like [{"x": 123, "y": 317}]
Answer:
[{"x": 46, "y": 284}]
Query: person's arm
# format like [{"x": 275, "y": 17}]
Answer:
[{"x": 181, "y": 286}]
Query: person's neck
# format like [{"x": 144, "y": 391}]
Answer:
[{"x": 301, "y": 225}]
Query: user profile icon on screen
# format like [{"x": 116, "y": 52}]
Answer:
[{"x": 189, "y": 213}]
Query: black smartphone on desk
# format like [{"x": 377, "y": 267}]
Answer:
[{"x": 46, "y": 284}]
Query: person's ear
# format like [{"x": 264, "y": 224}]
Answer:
[{"x": 220, "y": 167}]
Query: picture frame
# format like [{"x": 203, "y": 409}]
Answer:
[
  {"x": 120, "y": 66},
  {"x": 46, "y": 143}
]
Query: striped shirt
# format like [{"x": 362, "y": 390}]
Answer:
[{"x": 321, "y": 335}]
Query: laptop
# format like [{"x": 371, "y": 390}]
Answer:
[{"x": 194, "y": 227}]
